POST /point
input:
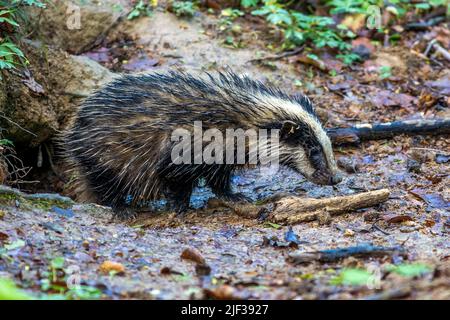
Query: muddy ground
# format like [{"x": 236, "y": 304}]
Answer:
[{"x": 48, "y": 244}]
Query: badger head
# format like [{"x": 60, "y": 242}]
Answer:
[{"x": 308, "y": 151}]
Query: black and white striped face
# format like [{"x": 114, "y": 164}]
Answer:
[
  {"x": 304, "y": 144},
  {"x": 309, "y": 152}
]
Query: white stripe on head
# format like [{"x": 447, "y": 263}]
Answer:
[{"x": 297, "y": 111}]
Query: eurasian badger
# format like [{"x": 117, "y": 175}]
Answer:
[{"x": 120, "y": 141}]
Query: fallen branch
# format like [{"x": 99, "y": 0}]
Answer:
[
  {"x": 361, "y": 132},
  {"x": 279, "y": 56},
  {"x": 292, "y": 210},
  {"x": 332, "y": 255},
  {"x": 295, "y": 210}
]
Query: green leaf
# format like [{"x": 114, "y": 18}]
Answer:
[
  {"x": 410, "y": 270},
  {"x": 281, "y": 16},
  {"x": 15, "y": 245},
  {"x": 9, "y": 21},
  {"x": 272, "y": 225},
  {"x": 9, "y": 291},
  {"x": 422, "y": 6},
  {"x": 352, "y": 277},
  {"x": 249, "y": 3},
  {"x": 6, "y": 142},
  {"x": 57, "y": 263}
]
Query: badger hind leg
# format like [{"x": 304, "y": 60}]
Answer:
[
  {"x": 124, "y": 213},
  {"x": 179, "y": 194}
]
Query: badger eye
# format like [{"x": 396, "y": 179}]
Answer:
[{"x": 316, "y": 156}]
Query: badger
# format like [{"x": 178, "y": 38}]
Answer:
[{"x": 120, "y": 142}]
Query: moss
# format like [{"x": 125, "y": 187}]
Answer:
[{"x": 9, "y": 196}]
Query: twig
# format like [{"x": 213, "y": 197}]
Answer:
[
  {"x": 390, "y": 294},
  {"x": 376, "y": 227},
  {"x": 337, "y": 254},
  {"x": 18, "y": 125},
  {"x": 357, "y": 133},
  {"x": 442, "y": 51},
  {"x": 279, "y": 56}
]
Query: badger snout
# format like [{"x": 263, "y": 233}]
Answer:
[
  {"x": 335, "y": 179},
  {"x": 326, "y": 178}
]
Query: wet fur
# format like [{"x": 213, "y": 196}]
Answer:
[{"x": 120, "y": 140}]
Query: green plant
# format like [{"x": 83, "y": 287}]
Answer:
[
  {"x": 9, "y": 291},
  {"x": 300, "y": 28},
  {"x": 249, "y": 3},
  {"x": 184, "y": 8},
  {"x": 352, "y": 6},
  {"x": 385, "y": 72},
  {"x": 142, "y": 8},
  {"x": 6, "y": 142},
  {"x": 303, "y": 28},
  {"x": 10, "y": 55},
  {"x": 11, "y": 14}
]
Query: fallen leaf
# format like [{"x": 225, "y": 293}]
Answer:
[
  {"x": 313, "y": 61},
  {"x": 353, "y": 277},
  {"x": 108, "y": 266},
  {"x": 410, "y": 270},
  {"x": 193, "y": 255},
  {"x": 442, "y": 158},
  {"x": 223, "y": 292},
  {"x": 142, "y": 63},
  {"x": 15, "y": 245},
  {"x": 272, "y": 225},
  {"x": 388, "y": 98},
  {"x": 434, "y": 200},
  {"x": 396, "y": 218},
  {"x": 9, "y": 291},
  {"x": 440, "y": 85},
  {"x": 168, "y": 271},
  {"x": 3, "y": 236}
]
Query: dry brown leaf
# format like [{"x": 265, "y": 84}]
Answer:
[
  {"x": 193, "y": 255},
  {"x": 108, "y": 266}
]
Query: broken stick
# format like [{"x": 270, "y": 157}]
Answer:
[
  {"x": 292, "y": 210},
  {"x": 295, "y": 210},
  {"x": 331, "y": 255},
  {"x": 358, "y": 133}
]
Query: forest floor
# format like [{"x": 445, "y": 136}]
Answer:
[{"x": 49, "y": 244}]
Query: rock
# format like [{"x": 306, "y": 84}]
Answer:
[
  {"x": 86, "y": 75},
  {"x": 75, "y": 25},
  {"x": 39, "y": 102}
]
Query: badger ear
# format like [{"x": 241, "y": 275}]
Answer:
[{"x": 288, "y": 128}]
